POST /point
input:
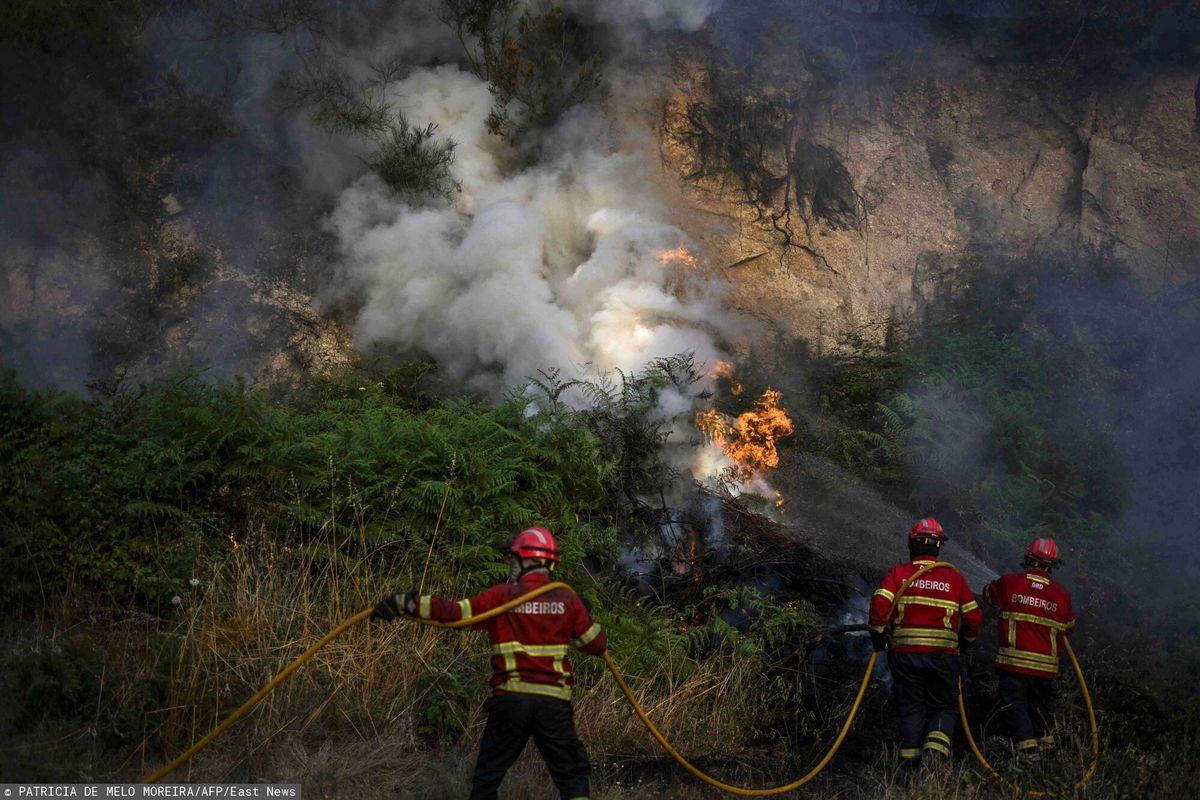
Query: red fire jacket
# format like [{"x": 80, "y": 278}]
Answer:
[
  {"x": 1035, "y": 618},
  {"x": 529, "y": 643},
  {"x": 931, "y": 614}
]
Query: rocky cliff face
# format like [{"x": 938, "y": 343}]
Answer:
[
  {"x": 960, "y": 155},
  {"x": 951, "y": 149}
]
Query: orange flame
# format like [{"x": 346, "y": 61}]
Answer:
[
  {"x": 678, "y": 255},
  {"x": 713, "y": 425},
  {"x": 751, "y": 440},
  {"x": 236, "y": 544}
]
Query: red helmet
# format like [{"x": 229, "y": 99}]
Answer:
[
  {"x": 1044, "y": 551},
  {"x": 928, "y": 530},
  {"x": 536, "y": 542}
]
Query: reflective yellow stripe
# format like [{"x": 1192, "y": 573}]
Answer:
[
  {"x": 562, "y": 672},
  {"x": 587, "y": 636},
  {"x": 1046, "y": 740},
  {"x": 536, "y": 650},
  {"x": 546, "y": 650},
  {"x": 1014, "y": 659},
  {"x": 931, "y": 641},
  {"x": 929, "y": 601},
  {"x": 885, "y": 593},
  {"x": 940, "y": 643},
  {"x": 423, "y": 607},
  {"x": 1012, "y": 652},
  {"x": 938, "y": 747},
  {"x": 935, "y": 632},
  {"x": 924, "y": 633},
  {"x": 1036, "y": 620},
  {"x": 940, "y": 736},
  {"x": 1027, "y": 744},
  {"x": 969, "y": 607},
  {"x": 546, "y": 689},
  {"x": 464, "y": 607},
  {"x": 508, "y": 651},
  {"x": 1029, "y": 665},
  {"x": 1037, "y": 578},
  {"x": 910, "y": 752}
]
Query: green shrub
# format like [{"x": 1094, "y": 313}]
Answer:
[{"x": 127, "y": 503}]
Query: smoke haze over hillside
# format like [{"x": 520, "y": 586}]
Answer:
[
  {"x": 149, "y": 202},
  {"x": 554, "y": 266}
]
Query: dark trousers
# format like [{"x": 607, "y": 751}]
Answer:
[
  {"x": 1028, "y": 706},
  {"x": 512, "y": 719},
  {"x": 926, "y": 689}
]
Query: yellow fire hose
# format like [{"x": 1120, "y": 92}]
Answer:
[
  {"x": 1095, "y": 762},
  {"x": 186, "y": 755},
  {"x": 637, "y": 707}
]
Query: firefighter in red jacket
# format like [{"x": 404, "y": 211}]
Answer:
[
  {"x": 532, "y": 676},
  {"x": 936, "y": 615},
  {"x": 1035, "y": 618}
]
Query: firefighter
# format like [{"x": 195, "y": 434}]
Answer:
[
  {"x": 1035, "y": 616},
  {"x": 532, "y": 676},
  {"x": 936, "y": 616}
]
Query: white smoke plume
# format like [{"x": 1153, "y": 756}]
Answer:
[
  {"x": 685, "y": 15},
  {"x": 556, "y": 265}
]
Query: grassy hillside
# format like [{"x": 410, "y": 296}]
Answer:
[{"x": 174, "y": 546}]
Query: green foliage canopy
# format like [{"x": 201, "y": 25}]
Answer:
[{"x": 127, "y": 502}]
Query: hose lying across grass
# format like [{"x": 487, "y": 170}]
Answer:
[
  {"x": 641, "y": 713},
  {"x": 1092, "y": 765}
]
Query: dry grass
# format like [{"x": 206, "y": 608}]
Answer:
[{"x": 349, "y": 724}]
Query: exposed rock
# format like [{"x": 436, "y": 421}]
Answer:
[
  {"x": 1142, "y": 179},
  {"x": 963, "y": 156}
]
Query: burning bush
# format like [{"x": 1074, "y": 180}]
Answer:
[{"x": 751, "y": 439}]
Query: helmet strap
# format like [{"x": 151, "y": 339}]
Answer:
[
  {"x": 1037, "y": 563},
  {"x": 520, "y": 567},
  {"x": 924, "y": 547}
]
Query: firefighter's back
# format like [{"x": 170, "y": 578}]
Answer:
[
  {"x": 530, "y": 643},
  {"x": 928, "y": 616},
  {"x": 1035, "y": 613}
]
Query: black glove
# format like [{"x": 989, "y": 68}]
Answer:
[
  {"x": 879, "y": 640},
  {"x": 395, "y": 605},
  {"x": 965, "y": 644}
]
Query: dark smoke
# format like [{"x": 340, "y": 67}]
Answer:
[{"x": 1138, "y": 391}]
